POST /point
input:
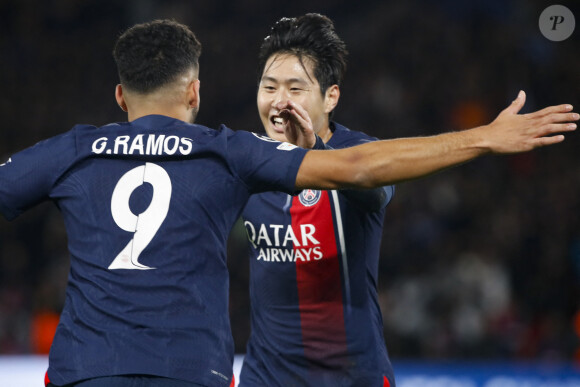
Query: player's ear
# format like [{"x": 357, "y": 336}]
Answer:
[
  {"x": 331, "y": 98},
  {"x": 193, "y": 97},
  {"x": 120, "y": 98}
]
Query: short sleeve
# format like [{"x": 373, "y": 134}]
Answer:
[
  {"x": 264, "y": 164},
  {"x": 28, "y": 176}
]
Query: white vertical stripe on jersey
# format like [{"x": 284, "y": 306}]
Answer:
[{"x": 342, "y": 249}]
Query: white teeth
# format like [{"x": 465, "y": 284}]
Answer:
[{"x": 278, "y": 120}]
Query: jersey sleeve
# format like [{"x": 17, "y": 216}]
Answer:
[
  {"x": 28, "y": 176},
  {"x": 264, "y": 164}
]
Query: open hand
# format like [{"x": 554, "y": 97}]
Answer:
[
  {"x": 298, "y": 126},
  {"x": 511, "y": 132}
]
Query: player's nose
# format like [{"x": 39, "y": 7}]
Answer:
[{"x": 281, "y": 95}]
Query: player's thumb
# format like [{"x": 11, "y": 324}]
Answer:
[{"x": 517, "y": 103}]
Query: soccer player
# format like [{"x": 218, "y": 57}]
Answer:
[
  {"x": 148, "y": 205},
  {"x": 315, "y": 317}
]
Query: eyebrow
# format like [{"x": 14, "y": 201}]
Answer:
[{"x": 289, "y": 80}]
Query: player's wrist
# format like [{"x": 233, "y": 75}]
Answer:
[{"x": 479, "y": 139}]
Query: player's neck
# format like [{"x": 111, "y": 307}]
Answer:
[
  {"x": 178, "y": 113},
  {"x": 325, "y": 134}
]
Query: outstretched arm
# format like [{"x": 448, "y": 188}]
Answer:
[
  {"x": 388, "y": 162},
  {"x": 366, "y": 199},
  {"x": 370, "y": 200}
]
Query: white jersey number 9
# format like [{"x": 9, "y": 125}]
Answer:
[{"x": 144, "y": 225}]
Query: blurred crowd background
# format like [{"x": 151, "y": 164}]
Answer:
[{"x": 480, "y": 262}]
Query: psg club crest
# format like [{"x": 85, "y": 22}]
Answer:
[{"x": 309, "y": 197}]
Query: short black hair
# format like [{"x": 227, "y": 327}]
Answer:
[
  {"x": 154, "y": 54},
  {"x": 312, "y": 36}
]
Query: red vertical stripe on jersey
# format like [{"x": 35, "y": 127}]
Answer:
[{"x": 319, "y": 282}]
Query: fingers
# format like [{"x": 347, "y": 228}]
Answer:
[
  {"x": 517, "y": 104},
  {"x": 299, "y": 129},
  {"x": 303, "y": 123},
  {"x": 297, "y": 107},
  {"x": 559, "y": 128},
  {"x": 300, "y": 115},
  {"x": 555, "y": 110},
  {"x": 554, "y": 122},
  {"x": 520, "y": 100},
  {"x": 564, "y": 117},
  {"x": 544, "y": 141},
  {"x": 548, "y": 136},
  {"x": 293, "y": 109}
]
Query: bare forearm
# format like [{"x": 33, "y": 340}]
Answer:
[
  {"x": 412, "y": 158},
  {"x": 392, "y": 161},
  {"x": 388, "y": 162}
]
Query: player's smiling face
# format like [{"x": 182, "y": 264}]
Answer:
[{"x": 285, "y": 78}]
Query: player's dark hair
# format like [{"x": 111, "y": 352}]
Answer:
[
  {"x": 312, "y": 36},
  {"x": 154, "y": 54}
]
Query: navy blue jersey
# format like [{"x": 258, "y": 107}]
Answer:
[
  {"x": 315, "y": 316},
  {"x": 148, "y": 207}
]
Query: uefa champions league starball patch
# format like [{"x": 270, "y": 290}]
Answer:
[{"x": 309, "y": 197}]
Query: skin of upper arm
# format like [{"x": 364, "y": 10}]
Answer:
[{"x": 330, "y": 169}]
